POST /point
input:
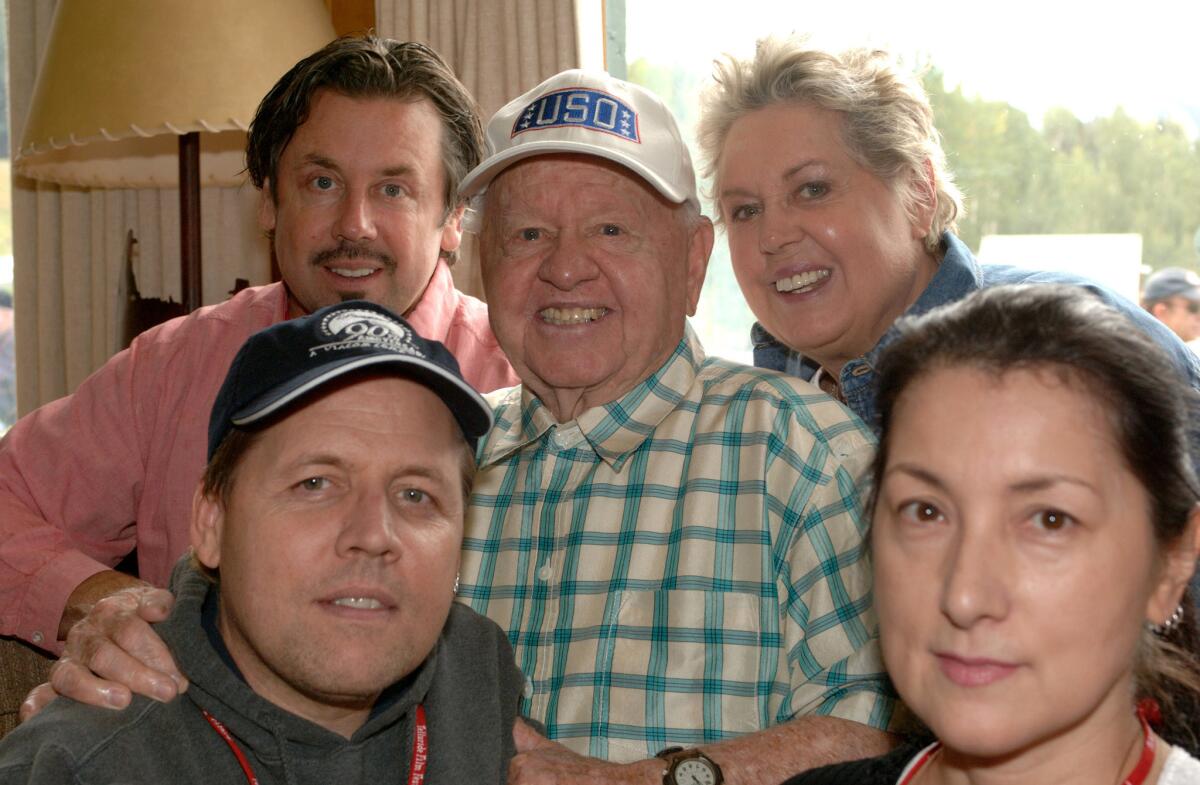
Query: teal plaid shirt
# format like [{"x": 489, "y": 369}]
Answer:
[{"x": 681, "y": 565}]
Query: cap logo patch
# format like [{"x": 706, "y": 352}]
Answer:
[
  {"x": 579, "y": 107},
  {"x": 358, "y": 328}
]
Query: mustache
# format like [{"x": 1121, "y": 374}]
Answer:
[{"x": 346, "y": 250}]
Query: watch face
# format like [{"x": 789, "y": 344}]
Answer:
[{"x": 694, "y": 772}]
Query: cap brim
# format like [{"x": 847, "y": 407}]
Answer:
[
  {"x": 478, "y": 179},
  {"x": 468, "y": 407}
]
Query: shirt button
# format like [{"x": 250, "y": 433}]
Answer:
[
  {"x": 567, "y": 436},
  {"x": 36, "y": 637},
  {"x": 545, "y": 572},
  {"x": 528, "y": 691}
]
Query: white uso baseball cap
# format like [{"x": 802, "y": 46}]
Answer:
[{"x": 592, "y": 113}]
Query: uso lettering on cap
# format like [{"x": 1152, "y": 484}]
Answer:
[{"x": 581, "y": 108}]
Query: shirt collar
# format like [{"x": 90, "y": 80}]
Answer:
[
  {"x": 433, "y": 313},
  {"x": 520, "y": 418},
  {"x": 612, "y": 430}
]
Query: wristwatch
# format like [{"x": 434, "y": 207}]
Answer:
[{"x": 689, "y": 767}]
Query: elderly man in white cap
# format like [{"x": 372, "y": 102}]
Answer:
[{"x": 672, "y": 541}]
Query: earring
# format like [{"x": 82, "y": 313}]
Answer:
[
  {"x": 1164, "y": 629},
  {"x": 456, "y": 583}
]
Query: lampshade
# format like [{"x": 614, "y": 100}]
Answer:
[{"x": 120, "y": 80}]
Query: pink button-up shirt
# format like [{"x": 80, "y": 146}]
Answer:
[{"x": 86, "y": 478}]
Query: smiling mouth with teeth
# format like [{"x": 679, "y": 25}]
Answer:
[
  {"x": 802, "y": 282},
  {"x": 345, "y": 273},
  {"x": 571, "y": 315},
  {"x": 361, "y": 603}
]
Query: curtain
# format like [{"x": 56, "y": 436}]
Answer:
[
  {"x": 69, "y": 246},
  {"x": 498, "y": 48}
]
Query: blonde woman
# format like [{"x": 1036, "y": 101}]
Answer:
[{"x": 833, "y": 192}]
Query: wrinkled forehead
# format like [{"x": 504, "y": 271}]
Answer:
[{"x": 574, "y": 178}]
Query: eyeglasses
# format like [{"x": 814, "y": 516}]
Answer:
[{"x": 1192, "y": 307}]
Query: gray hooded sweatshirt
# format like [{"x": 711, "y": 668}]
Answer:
[{"x": 469, "y": 686}]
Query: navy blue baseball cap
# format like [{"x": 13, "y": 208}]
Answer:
[{"x": 278, "y": 367}]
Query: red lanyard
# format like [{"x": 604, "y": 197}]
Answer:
[
  {"x": 1136, "y": 777},
  {"x": 910, "y": 772},
  {"x": 1146, "y": 762},
  {"x": 420, "y": 754}
]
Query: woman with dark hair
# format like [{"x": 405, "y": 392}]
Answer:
[{"x": 1034, "y": 528}]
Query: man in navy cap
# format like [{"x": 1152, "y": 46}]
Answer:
[
  {"x": 315, "y": 621},
  {"x": 1172, "y": 295}
]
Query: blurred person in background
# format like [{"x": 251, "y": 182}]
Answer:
[{"x": 1172, "y": 295}]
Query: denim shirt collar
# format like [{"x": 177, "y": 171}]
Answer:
[{"x": 957, "y": 275}]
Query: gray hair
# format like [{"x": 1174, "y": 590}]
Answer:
[{"x": 887, "y": 122}]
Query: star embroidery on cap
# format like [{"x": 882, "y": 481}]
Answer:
[{"x": 527, "y": 117}]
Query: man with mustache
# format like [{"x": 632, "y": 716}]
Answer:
[{"x": 358, "y": 152}]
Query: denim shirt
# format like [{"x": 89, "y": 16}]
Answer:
[{"x": 958, "y": 275}]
